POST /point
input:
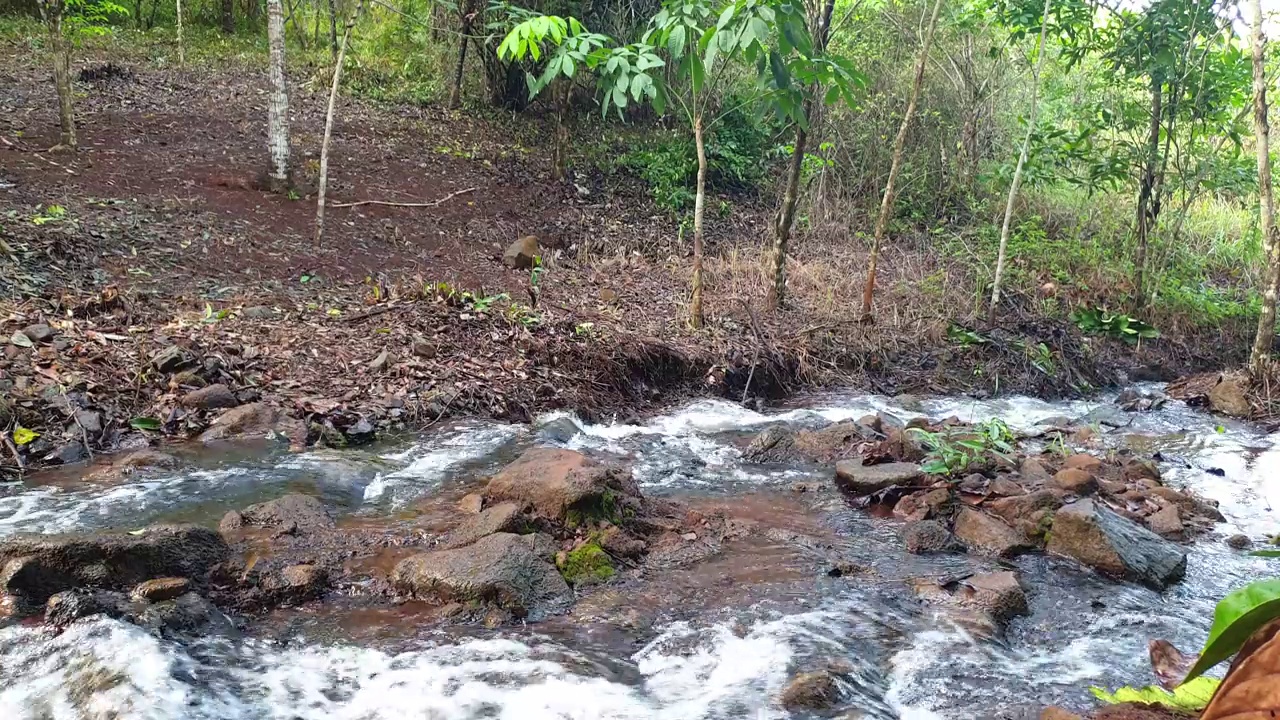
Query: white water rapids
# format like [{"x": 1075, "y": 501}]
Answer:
[{"x": 713, "y": 662}]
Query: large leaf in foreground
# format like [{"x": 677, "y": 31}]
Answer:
[
  {"x": 1251, "y": 691},
  {"x": 1189, "y": 697},
  {"x": 1238, "y": 616}
]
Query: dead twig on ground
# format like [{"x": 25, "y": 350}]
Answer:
[
  {"x": 390, "y": 203},
  {"x": 15, "y": 146}
]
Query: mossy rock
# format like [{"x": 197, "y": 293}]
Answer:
[
  {"x": 588, "y": 564},
  {"x": 593, "y": 511}
]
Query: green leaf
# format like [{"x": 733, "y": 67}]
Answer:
[
  {"x": 760, "y": 30},
  {"x": 22, "y": 436},
  {"x": 726, "y": 16},
  {"x": 568, "y": 67},
  {"x": 781, "y": 77},
  {"x": 144, "y": 423},
  {"x": 1266, "y": 553},
  {"x": 1237, "y": 616},
  {"x": 675, "y": 41},
  {"x": 1190, "y": 696}
]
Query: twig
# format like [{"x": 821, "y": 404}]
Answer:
[
  {"x": 389, "y": 203},
  {"x": 16, "y": 457},
  {"x": 15, "y": 146},
  {"x": 84, "y": 434}
]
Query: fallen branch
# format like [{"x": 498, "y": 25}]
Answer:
[
  {"x": 17, "y": 457},
  {"x": 390, "y": 203}
]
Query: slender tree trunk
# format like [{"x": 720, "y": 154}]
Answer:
[
  {"x": 1145, "y": 219},
  {"x": 455, "y": 93},
  {"x": 182, "y": 53},
  {"x": 1260, "y": 358},
  {"x": 787, "y": 213},
  {"x": 328, "y": 120},
  {"x": 51, "y": 11},
  {"x": 1022, "y": 162},
  {"x": 560, "y": 153},
  {"x": 278, "y": 104},
  {"x": 886, "y": 202},
  {"x": 333, "y": 30},
  {"x": 699, "y": 202},
  {"x": 228, "y": 16}
]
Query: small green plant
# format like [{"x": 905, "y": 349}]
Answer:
[
  {"x": 1100, "y": 321},
  {"x": 52, "y": 213},
  {"x": 212, "y": 316},
  {"x": 952, "y": 451},
  {"x": 482, "y": 303},
  {"x": 523, "y": 315},
  {"x": 584, "y": 330},
  {"x": 1040, "y": 356},
  {"x": 964, "y": 337}
]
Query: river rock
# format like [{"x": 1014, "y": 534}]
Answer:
[
  {"x": 35, "y": 567},
  {"x": 1166, "y": 522},
  {"x": 471, "y": 503},
  {"x": 210, "y": 397},
  {"x": 998, "y": 596},
  {"x": 1114, "y": 546},
  {"x": 857, "y": 479},
  {"x": 1075, "y": 481},
  {"x": 502, "y": 517},
  {"x": 185, "y": 616},
  {"x": 296, "y": 583},
  {"x": 288, "y": 514},
  {"x": 816, "y": 690},
  {"x": 986, "y": 535},
  {"x": 66, "y": 607},
  {"x": 1004, "y": 487},
  {"x": 522, "y": 253},
  {"x": 1135, "y": 469},
  {"x": 511, "y": 572},
  {"x": 1020, "y": 507},
  {"x": 1033, "y": 472},
  {"x": 1085, "y": 462},
  {"x": 773, "y": 444},
  {"x": 558, "y": 483},
  {"x": 39, "y": 333},
  {"x": 1188, "y": 504},
  {"x": 160, "y": 589},
  {"x": 131, "y": 462},
  {"x": 1239, "y": 542},
  {"x": 255, "y": 420},
  {"x": 928, "y": 536},
  {"x": 1229, "y": 396}
]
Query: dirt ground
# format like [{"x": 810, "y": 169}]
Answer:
[{"x": 164, "y": 239}]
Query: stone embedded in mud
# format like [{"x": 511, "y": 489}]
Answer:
[
  {"x": 252, "y": 420},
  {"x": 503, "y": 517},
  {"x": 1229, "y": 396},
  {"x": 1075, "y": 481},
  {"x": 34, "y": 567},
  {"x": 986, "y": 535},
  {"x": 159, "y": 589},
  {"x": 928, "y": 536},
  {"x": 1166, "y": 522},
  {"x": 857, "y": 479},
  {"x": 1114, "y": 546},
  {"x": 210, "y": 397},
  {"x": 563, "y": 486},
  {"x": 816, "y": 690},
  {"x": 522, "y": 253},
  {"x": 511, "y": 572},
  {"x": 290, "y": 513}
]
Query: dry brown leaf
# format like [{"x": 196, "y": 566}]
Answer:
[
  {"x": 1170, "y": 664},
  {"x": 1251, "y": 691}
]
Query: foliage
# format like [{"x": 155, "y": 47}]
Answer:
[
  {"x": 1189, "y": 697},
  {"x": 1099, "y": 321},
  {"x": 1237, "y": 616},
  {"x": 23, "y": 436},
  {"x": 953, "y": 450}
]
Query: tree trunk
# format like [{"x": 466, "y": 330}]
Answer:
[
  {"x": 1146, "y": 214},
  {"x": 52, "y": 12},
  {"x": 328, "y": 120},
  {"x": 886, "y": 202},
  {"x": 278, "y": 103},
  {"x": 1260, "y": 358},
  {"x": 560, "y": 153},
  {"x": 455, "y": 93},
  {"x": 1017, "y": 172},
  {"x": 228, "y": 16},
  {"x": 333, "y": 30},
  {"x": 787, "y": 213},
  {"x": 182, "y": 54},
  {"x": 699, "y": 202}
]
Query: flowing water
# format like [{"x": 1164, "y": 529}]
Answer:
[{"x": 716, "y": 641}]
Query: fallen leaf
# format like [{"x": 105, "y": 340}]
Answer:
[
  {"x": 1191, "y": 697},
  {"x": 144, "y": 423},
  {"x": 20, "y": 340},
  {"x": 1251, "y": 691},
  {"x": 1170, "y": 664},
  {"x": 22, "y": 436}
]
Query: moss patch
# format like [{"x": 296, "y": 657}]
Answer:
[
  {"x": 585, "y": 565},
  {"x": 593, "y": 511}
]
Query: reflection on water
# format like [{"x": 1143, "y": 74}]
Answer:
[{"x": 715, "y": 641}]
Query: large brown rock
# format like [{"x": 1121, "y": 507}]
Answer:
[
  {"x": 1229, "y": 397},
  {"x": 290, "y": 513},
  {"x": 521, "y": 254},
  {"x": 816, "y": 690},
  {"x": 35, "y": 567},
  {"x": 857, "y": 479},
  {"x": 987, "y": 535},
  {"x": 1188, "y": 505},
  {"x": 1114, "y": 546},
  {"x": 503, "y": 517},
  {"x": 1084, "y": 461},
  {"x": 1021, "y": 507},
  {"x": 998, "y": 596},
  {"x": 1075, "y": 481},
  {"x": 213, "y": 396},
  {"x": 255, "y": 420},
  {"x": 562, "y": 485},
  {"x": 511, "y": 572},
  {"x": 928, "y": 536}
]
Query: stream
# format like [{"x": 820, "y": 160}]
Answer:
[{"x": 717, "y": 640}]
